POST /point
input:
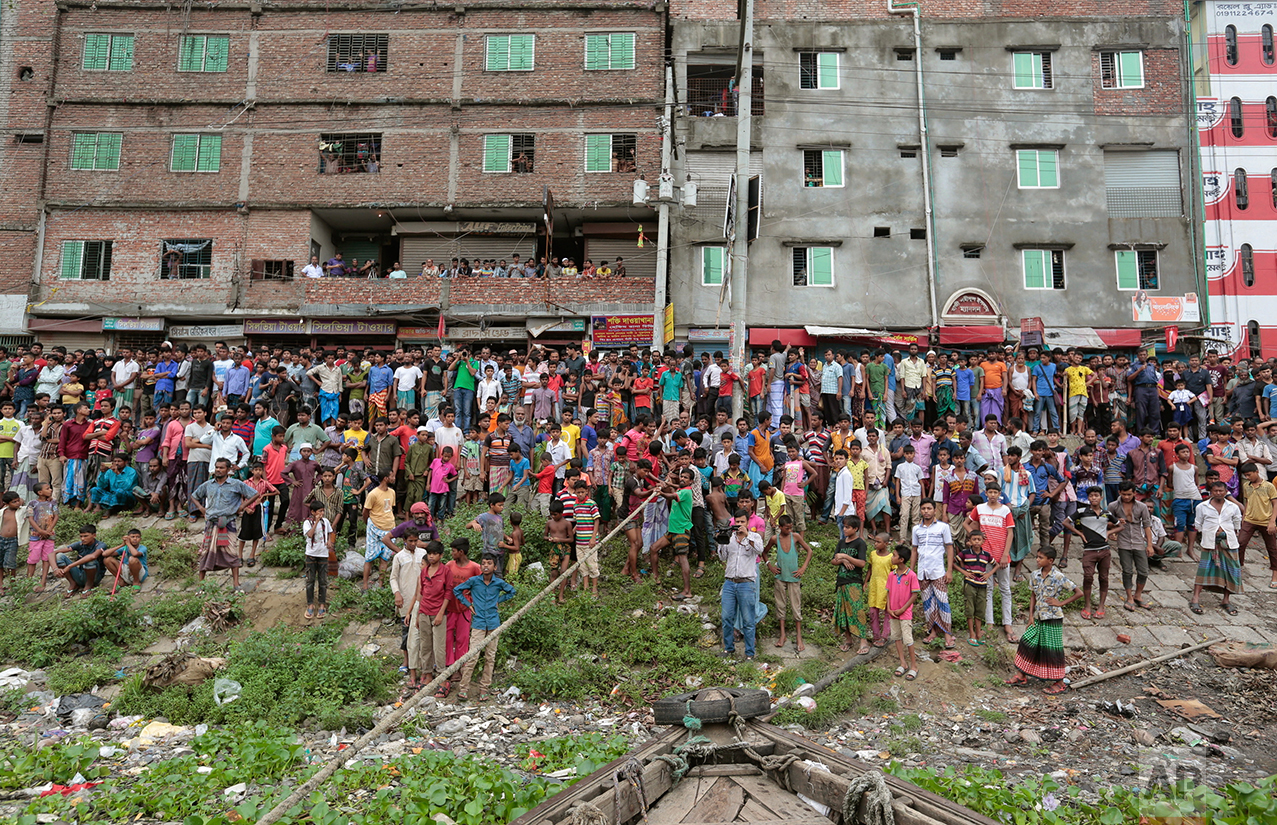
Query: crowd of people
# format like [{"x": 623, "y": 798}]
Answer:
[
  {"x": 514, "y": 267},
  {"x": 923, "y": 461}
]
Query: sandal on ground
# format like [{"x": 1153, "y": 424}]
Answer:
[
  {"x": 864, "y": 652},
  {"x": 251, "y": 562},
  {"x": 973, "y": 642},
  {"x": 1099, "y": 614},
  {"x": 310, "y": 612},
  {"x": 442, "y": 691},
  {"x": 845, "y": 647},
  {"x": 1055, "y": 689},
  {"x": 1272, "y": 585},
  {"x": 463, "y": 697},
  {"x": 1129, "y": 606},
  {"x": 911, "y": 675},
  {"x": 323, "y": 611},
  {"x": 1086, "y": 614},
  {"x": 880, "y": 643},
  {"x": 700, "y": 571},
  {"x": 1195, "y": 607},
  {"x": 1016, "y": 680},
  {"x": 900, "y": 671},
  {"x": 170, "y": 516},
  {"x": 1229, "y": 609},
  {"x": 1143, "y": 604}
]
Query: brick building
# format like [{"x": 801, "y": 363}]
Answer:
[
  {"x": 170, "y": 168},
  {"x": 1051, "y": 176}
]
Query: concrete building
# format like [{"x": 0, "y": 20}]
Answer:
[
  {"x": 1235, "y": 80},
  {"x": 1048, "y": 171},
  {"x": 169, "y": 169}
]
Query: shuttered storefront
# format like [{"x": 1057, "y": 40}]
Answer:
[
  {"x": 417, "y": 249},
  {"x": 1143, "y": 184},
  {"x": 364, "y": 250},
  {"x": 640, "y": 262}
]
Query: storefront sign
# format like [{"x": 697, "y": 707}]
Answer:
[
  {"x": 133, "y": 324},
  {"x": 897, "y": 340},
  {"x": 271, "y": 326},
  {"x": 1165, "y": 310},
  {"x": 214, "y": 331},
  {"x": 495, "y": 228},
  {"x": 352, "y": 327},
  {"x": 669, "y": 323},
  {"x": 485, "y": 334},
  {"x": 970, "y": 304},
  {"x": 418, "y": 333},
  {"x": 570, "y": 325},
  {"x": 709, "y": 336},
  {"x": 610, "y": 330}
]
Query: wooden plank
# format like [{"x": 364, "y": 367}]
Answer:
[
  {"x": 752, "y": 811},
  {"x": 725, "y": 770},
  {"x": 671, "y": 808},
  {"x": 826, "y": 788},
  {"x": 782, "y": 803},
  {"x": 935, "y": 806},
  {"x": 811, "y": 820},
  {"x": 720, "y": 804}
]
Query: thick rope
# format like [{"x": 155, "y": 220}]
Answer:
[
  {"x": 586, "y": 813},
  {"x": 873, "y": 787},
  {"x": 393, "y": 719},
  {"x": 631, "y": 773}
]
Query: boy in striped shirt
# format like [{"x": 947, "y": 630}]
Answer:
[{"x": 586, "y": 515}]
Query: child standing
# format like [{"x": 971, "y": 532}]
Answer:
[
  {"x": 789, "y": 575},
  {"x": 492, "y": 528},
  {"x": 850, "y": 560},
  {"x": 512, "y": 545},
  {"x": 43, "y": 519},
  {"x": 417, "y": 466},
  {"x": 405, "y": 582},
  {"x": 975, "y": 565},
  {"x": 485, "y": 592},
  {"x": 320, "y": 538},
  {"x": 909, "y": 493},
  {"x": 520, "y": 480},
  {"x": 442, "y": 472},
  {"x": 902, "y": 594},
  {"x": 1095, "y": 525},
  {"x": 429, "y": 611},
  {"x": 250, "y": 525},
  {"x": 798, "y": 473},
  {"x": 1041, "y": 650},
  {"x": 587, "y": 518},
  {"x": 1182, "y": 404},
  {"x": 13, "y": 528},
  {"x": 471, "y": 479},
  {"x": 879, "y": 564}
]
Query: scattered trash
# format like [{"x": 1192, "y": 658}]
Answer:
[
  {"x": 1235, "y": 654},
  {"x": 197, "y": 625},
  {"x": 226, "y": 691},
  {"x": 369, "y": 650},
  {"x": 236, "y": 789},
  {"x": 1185, "y": 736},
  {"x": 950, "y": 655},
  {"x": 694, "y": 681},
  {"x": 154, "y": 732},
  {"x": 181, "y": 668},
  {"x": 1124, "y": 638},
  {"x": 1187, "y": 708},
  {"x": 806, "y": 703},
  {"x": 537, "y": 569},
  {"x": 67, "y": 706},
  {"x": 67, "y": 790},
  {"x": 823, "y": 810},
  {"x": 1117, "y": 708},
  {"x": 14, "y": 678},
  {"x": 351, "y": 566},
  {"x": 511, "y": 694}
]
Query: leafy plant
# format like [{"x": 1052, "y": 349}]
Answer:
[
  {"x": 287, "y": 551},
  {"x": 585, "y": 753}
]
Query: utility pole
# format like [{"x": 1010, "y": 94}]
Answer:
[
  {"x": 739, "y": 240},
  {"x": 663, "y": 214}
]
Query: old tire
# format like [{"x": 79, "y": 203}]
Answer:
[{"x": 714, "y": 708}]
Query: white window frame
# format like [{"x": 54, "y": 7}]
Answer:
[
  {"x": 1045, "y": 57},
  {"x": 1037, "y": 163},
  {"x": 1048, "y": 279},
  {"x": 824, "y": 169},
  {"x": 585, "y": 52},
  {"x": 1117, "y": 270},
  {"x": 1117, "y": 69},
  {"x": 722, "y": 272},
  {"x": 817, "y": 53},
  {"x": 833, "y": 279},
  {"x": 199, "y": 145}
]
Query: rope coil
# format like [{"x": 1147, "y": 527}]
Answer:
[{"x": 873, "y": 788}]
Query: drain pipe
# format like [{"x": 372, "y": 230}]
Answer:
[{"x": 925, "y": 138}]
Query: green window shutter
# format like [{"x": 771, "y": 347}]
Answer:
[
  {"x": 521, "y": 46},
  {"x": 1127, "y": 271},
  {"x": 184, "y": 152},
  {"x": 621, "y": 51},
  {"x": 97, "y": 48},
  {"x": 1027, "y": 163},
  {"x": 83, "y": 149},
  {"x": 821, "y": 269},
  {"x": 827, "y": 70},
  {"x": 596, "y": 52},
  {"x": 210, "y": 155},
  {"x": 217, "y": 57},
  {"x": 831, "y": 163},
  {"x": 1028, "y": 70},
  {"x": 72, "y": 259},
  {"x": 122, "y": 53},
  {"x": 190, "y": 56},
  {"x": 498, "y": 54},
  {"x": 496, "y": 153},
  {"x": 1048, "y": 168},
  {"x": 1035, "y": 268},
  {"x": 598, "y": 153},
  {"x": 108, "y": 156},
  {"x": 712, "y": 265},
  {"x": 1131, "y": 65}
]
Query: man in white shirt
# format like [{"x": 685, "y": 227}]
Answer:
[
  {"x": 933, "y": 556},
  {"x": 408, "y": 379},
  {"x": 313, "y": 269},
  {"x": 558, "y": 451},
  {"x": 397, "y": 272},
  {"x": 226, "y": 444},
  {"x": 844, "y": 489},
  {"x": 1220, "y": 566},
  {"x": 447, "y": 433},
  {"x": 711, "y": 383},
  {"x": 740, "y": 585},
  {"x": 124, "y": 377}
]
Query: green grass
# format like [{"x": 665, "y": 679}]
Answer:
[{"x": 991, "y": 715}]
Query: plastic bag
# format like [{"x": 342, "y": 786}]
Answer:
[
  {"x": 352, "y": 566},
  {"x": 226, "y": 691},
  {"x": 806, "y": 703},
  {"x": 77, "y": 701}
]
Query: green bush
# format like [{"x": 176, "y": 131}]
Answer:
[
  {"x": 41, "y": 633},
  {"x": 287, "y": 551},
  {"x": 80, "y": 675}
]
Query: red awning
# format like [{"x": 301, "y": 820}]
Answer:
[
  {"x": 957, "y": 336},
  {"x": 1125, "y": 338},
  {"x": 763, "y": 336}
]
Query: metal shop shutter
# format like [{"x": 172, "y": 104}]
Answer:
[
  {"x": 640, "y": 262},
  {"x": 1143, "y": 184},
  {"x": 365, "y": 251},
  {"x": 71, "y": 340},
  {"x": 416, "y": 249}
]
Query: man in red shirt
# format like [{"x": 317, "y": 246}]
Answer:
[
  {"x": 429, "y": 611},
  {"x": 457, "y": 639},
  {"x": 73, "y": 449}
]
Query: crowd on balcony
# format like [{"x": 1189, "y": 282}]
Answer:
[{"x": 515, "y": 267}]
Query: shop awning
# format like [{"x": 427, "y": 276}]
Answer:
[
  {"x": 1085, "y": 337},
  {"x": 763, "y": 336},
  {"x": 877, "y": 336},
  {"x": 958, "y": 336}
]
